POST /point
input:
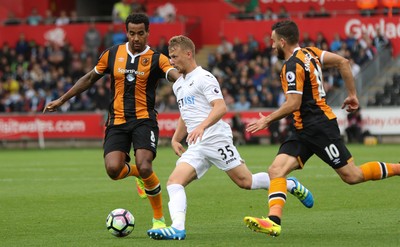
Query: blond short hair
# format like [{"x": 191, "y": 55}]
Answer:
[{"x": 183, "y": 42}]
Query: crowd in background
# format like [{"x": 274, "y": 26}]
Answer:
[{"x": 32, "y": 75}]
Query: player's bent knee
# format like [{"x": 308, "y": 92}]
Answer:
[{"x": 113, "y": 171}]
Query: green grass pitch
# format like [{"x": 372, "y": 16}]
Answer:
[{"x": 61, "y": 197}]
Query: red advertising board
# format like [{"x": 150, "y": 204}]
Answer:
[
  {"x": 328, "y": 26},
  {"x": 86, "y": 126},
  {"x": 56, "y": 126},
  {"x": 75, "y": 33},
  {"x": 304, "y": 5}
]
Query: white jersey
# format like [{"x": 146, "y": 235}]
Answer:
[{"x": 194, "y": 94}]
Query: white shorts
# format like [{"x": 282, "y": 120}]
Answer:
[{"x": 221, "y": 153}]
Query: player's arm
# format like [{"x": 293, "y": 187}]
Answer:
[
  {"x": 292, "y": 104},
  {"x": 172, "y": 75},
  {"x": 80, "y": 86},
  {"x": 343, "y": 65},
  {"x": 178, "y": 136},
  {"x": 218, "y": 111}
]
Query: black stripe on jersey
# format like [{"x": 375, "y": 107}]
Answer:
[
  {"x": 111, "y": 61},
  {"x": 315, "y": 54},
  {"x": 384, "y": 170},
  {"x": 152, "y": 82},
  {"x": 291, "y": 66},
  {"x": 308, "y": 97},
  {"x": 307, "y": 89},
  {"x": 129, "y": 88}
]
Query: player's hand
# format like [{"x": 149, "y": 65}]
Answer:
[
  {"x": 351, "y": 104},
  {"x": 178, "y": 148},
  {"x": 195, "y": 135},
  {"x": 52, "y": 106},
  {"x": 260, "y": 124}
]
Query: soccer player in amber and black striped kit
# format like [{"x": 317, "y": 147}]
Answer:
[
  {"x": 317, "y": 130},
  {"x": 134, "y": 69}
]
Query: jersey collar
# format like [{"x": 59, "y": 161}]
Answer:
[
  {"x": 188, "y": 75},
  {"x": 134, "y": 56}
]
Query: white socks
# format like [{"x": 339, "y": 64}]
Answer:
[
  {"x": 261, "y": 181},
  {"x": 177, "y": 205}
]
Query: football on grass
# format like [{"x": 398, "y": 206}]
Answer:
[{"x": 120, "y": 222}]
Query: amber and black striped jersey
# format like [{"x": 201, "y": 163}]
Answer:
[
  {"x": 134, "y": 79},
  {"x": 302, "y": 74}
]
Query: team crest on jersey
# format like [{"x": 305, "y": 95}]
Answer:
[
  {"x": 290, "y": 76},
  {"x": 145, "y": 61}
]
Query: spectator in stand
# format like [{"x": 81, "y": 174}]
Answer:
[
  {"x": 320, "y": 40},
  {"x": 22, "y": 46},
  {"x": 137, "y": 7},
  {"x": 243, "y": 104},
  {"x": 156, "y": 17},
  {"x": 238, "y": 129},
  {"x": 266, "y": 48},
  {"x": 171, "y": 106},
  {"x": 311, "y": 13},
  {"x": 355, "y": 68},
  {"x": 93, "y": 41},
  {"x": 48, "y": 17},
  {"x": 237, "y": 46},
  {"x": 20, "y": 61},
  {"x": 5, "y": 52},
  {"x": 167, "y": 12},
  {"x": 225, "y": 46},
  {"x": 34, "y": 18},
  {"x": 251, "y": 5},
  {"x": 350, "y": 40},
  {"x": 253, "y": 44},
  {"x": 108, "y": 37},
  {"x": 119, "y": 36},
  {"x": 283, "y": 13},
  {"x": 120, "y": 11},
  {"x": 380, "y": 41},
  {"x": 269, "y": 15},
  {"x": 73, "y": 17},
  {"x": 162, "y": 46},
  {"x": 367, "y": 7},
  {"x": 354, "y": 127},
  {"x": 257, "y": 14},
  {"x": 307, "y": 41},
  {"x": 56, "y": 55},
  {"x": 12, "y": 19},
  {"x": 323, "y": 12},
  {"x": 336, "y": 43},
  {"x": 63, "y": 19}
]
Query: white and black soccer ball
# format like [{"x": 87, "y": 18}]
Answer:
[{"x": 120, "y": 222}]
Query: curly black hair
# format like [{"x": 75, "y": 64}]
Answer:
[{"x": 138, "y": 18}]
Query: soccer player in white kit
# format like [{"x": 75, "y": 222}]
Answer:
[{"x": 209, "y": 138}]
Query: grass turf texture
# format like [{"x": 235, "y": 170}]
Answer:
[{"x": 62, "y": 198}]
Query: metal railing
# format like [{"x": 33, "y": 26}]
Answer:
[{"x": 371, "y": 73}]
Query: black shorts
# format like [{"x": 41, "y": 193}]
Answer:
[
  {"x": 142, "y": 133},
  {"x": 323, "y": 140}
]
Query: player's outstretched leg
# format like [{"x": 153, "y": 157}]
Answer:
[
  {"x": 167, "y": 233},
  {"x": 140, "y": 188},
  {"x": 263, "y": 225},
  {"x": 302, "y": 193}
]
